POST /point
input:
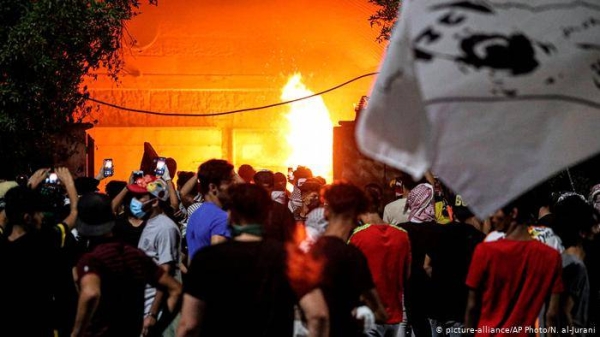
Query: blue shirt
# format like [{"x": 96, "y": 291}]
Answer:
[{"x": 207, "y": 221}]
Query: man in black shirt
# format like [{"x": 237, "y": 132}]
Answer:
[
  {"x": 447, "y": 263},
  {"x": 243, "y": 287},
  {"x": 346, "y": 279},
  {"x": 280, "y": 224}
]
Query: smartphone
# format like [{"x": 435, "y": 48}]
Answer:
[
  {"x": 137, "y": 175},
  {"x": 52, "y": 179},
  {"x": 108, "y": 168},
  {"x": 160, "y": 166}
]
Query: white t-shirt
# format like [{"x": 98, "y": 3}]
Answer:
[{"x": 394, "y": 214}]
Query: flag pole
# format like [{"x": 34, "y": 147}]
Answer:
[{"x": 571, "y": 180}]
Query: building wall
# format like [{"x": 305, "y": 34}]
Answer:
[{"x": 213, "y": 56}]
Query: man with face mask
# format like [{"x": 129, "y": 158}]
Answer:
[{"x": 160, "y": 240}]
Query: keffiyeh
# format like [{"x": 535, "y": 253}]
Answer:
[{"x": 420, "y": 203}]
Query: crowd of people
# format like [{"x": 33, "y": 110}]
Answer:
[{"x": 228, "y": 252}]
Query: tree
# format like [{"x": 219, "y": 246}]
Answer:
[
  {"x": 48, "y": 47},
  {"x": 385, "y": 17}
]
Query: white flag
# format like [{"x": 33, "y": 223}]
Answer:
[{"x": 492, "y": 96}]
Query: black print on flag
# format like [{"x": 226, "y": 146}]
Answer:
[
  {"x": 493, "y": 96},
  {"x": 511, "y": 59}
]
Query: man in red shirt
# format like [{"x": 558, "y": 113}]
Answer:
[
  {"x": 510, "y": 279},
  {"x": 387, "y": 250}
]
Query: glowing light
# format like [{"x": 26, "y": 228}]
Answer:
[{"x": 310, "y": 133}]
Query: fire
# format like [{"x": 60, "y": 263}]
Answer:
[
  {"x": 310, "y": 134},
  {"x": 303, "y": 269}
]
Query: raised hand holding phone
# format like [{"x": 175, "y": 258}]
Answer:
[
  {"x": 161, "y": 164},
  {"x": 108, "y": 169},
  {"x": 52, "y": 179},
  {"x": 38, "y": 177}
]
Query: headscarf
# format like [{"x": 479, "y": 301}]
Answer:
[
  {"x": 420, "y": 203},
  {"x": 593, "y": 192}
]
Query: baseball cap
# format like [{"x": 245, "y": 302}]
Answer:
[
  {"x": 94, "y": 215},
  {"x": 152, "y": 185}
]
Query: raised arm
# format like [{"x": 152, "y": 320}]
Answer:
[
  {"x": 67, "y": 180},
  {"x": 189, "y": 186},
  {"x": 118, "y": 199},
  {"x": 37, "y": 178}
]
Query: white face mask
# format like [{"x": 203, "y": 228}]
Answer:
[{"x": 278, "y": 196}]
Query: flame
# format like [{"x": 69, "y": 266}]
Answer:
[
  {"x": 304, "y": 269},
  {"x": 310, "y": 134}
]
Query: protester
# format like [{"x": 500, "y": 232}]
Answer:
[
  {"x": 447, "y": 263},
  {"x": 443, "y": 209},
  {"x": 4, "y": 187},
  {"x": 297, "y": 178},
  {"x": 208, "y": 225},
  {"x": 510, "y": 279},
  {"x": 387, "y": 250},
  {"x": 280, "y": 224},
  {"x": 423, "y": 233},
  {"x": 575, "y": 223},
  {"x": 160, "y": 240},
  {"x": 242, "y": 287},
  {"x": 246, "y": 172},
  {"x": 594, "y": 197},
  {"x": 346, "y": 277},
  {"x": 112, "y": 277},
  {"x": 34, "y": 291},
  {"x": 280, "y": 192},
  {"x": 592, "y": 260},
  {"x": 396, "y": 212},
  {"x": 310, "y": 195},
  {"x": 128, "y": 228}
]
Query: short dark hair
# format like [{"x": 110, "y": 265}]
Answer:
[
  {"x": 246, "y": 172},
  {"x": 248, "y": 202},
  {"x": 374, "y": 194},
  {"x": 302, "y": 172},
  {"x": 213, "y": 171},
  {"x": 408, "y": 181},
  {"x": 183, "y": 177},
  {"x": 264, "y": 178},
  {"x": 20, "y": 201},
  {"x": 345, "y": 198},
  {"x": 525, "y": 204},
  {"x": 280, "y": 181},
  {"x": 114, "y": 187},
  {"x": 311, "y": 185},
  {"x": 573, "y": 217}
]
